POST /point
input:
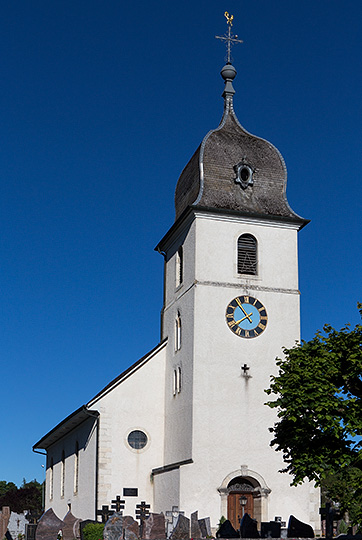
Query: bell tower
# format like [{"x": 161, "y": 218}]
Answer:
[{"x": 231, "y": 303}]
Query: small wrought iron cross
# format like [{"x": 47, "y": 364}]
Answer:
[
  {"x": 229, "y": 38},
  {"x": 245, "y": 369},
  {"x": 104, "y": 513},
  {"x": 117, "y": 504},
  {"x": 142, "y": 512}
]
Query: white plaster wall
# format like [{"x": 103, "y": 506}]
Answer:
[
  {"x": 82, "y": 502},
  {"x": 178, "y": 408},
  {"x": 137, "y": 403},
  {"x": 167, "y": 490},
  {"x": 229, "y": 419}
]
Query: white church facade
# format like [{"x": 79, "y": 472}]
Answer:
[{"x": 198, "y": 437}]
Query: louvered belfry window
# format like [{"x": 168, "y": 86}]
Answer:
[{"x": 247, "y": 255}]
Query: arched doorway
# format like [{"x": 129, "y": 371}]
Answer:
[{"x": 243, "y": 498}]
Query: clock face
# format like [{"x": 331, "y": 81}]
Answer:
[{"x": 246, "y": 316}]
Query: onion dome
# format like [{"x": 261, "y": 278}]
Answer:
[{"x": 235, "y": 171}]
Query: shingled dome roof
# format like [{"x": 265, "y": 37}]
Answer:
[{"x": 234, "y": 170}]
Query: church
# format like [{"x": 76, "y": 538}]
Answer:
[{"x": 198, "y": 438}]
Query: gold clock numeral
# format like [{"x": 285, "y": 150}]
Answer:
[
  {"x": 261, "y": 325},
  {"x": 246, "y": 299},
  {"x": 231, "y": 323},
  {"x": 238, "y": 331},
  {"x": 246, "y": 333},
  {"x": 230, "y": 315}
]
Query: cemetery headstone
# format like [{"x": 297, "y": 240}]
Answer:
[
  {"x": 83, "y": 524},
  {"x": 130, "y": 528},
  {"x": 205, "y": 527},
  {"x": 248, "y": 527},
  {"x": 113, "y": 529},
  {"x": 49, "y": 526},
  {"x": 4, "y": 520},
  {"x": 195, "y": 527},
  {"x": 172, "y": 517},
  {"x": 298, "y": 529},
  {"x": 68, "y": 529},
  {"x": 271, "y": 529},
  {"x": 182, "y": 529},
  {"x": 154, "y": 527},
  {"x": 226, "y": 530}
]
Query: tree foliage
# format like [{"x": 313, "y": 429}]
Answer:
[
  {"x": 27, "y": 497},
  {"x": 319, "y": 401}
]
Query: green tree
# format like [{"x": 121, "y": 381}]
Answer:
[
  {"x": 318, "y": 396},
  {"x": 6, "y": 486},
  {"x": 27, "y": 497}
]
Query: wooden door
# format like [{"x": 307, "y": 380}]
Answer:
[{"x": 235, "y": 508}]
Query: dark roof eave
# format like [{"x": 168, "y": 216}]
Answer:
[
  {"x": 185, "y": 214},
  {"x": 70, "y": 422}
]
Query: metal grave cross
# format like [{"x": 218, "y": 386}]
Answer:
[
  {"x": 229, "y": 38},
  {"x": 117, "y": 504},
  {"x": 142, "y": 512},
  {"x": 104, "y": 513}
]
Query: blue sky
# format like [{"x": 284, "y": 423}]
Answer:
[{"x": 102, "y": 105}]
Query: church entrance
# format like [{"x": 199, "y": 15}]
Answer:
[
  {"x": 239, "y": 503},
  {"x": 241, "y": 500}
]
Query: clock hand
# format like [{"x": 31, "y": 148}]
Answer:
[
  {"x": 243, "y": 319},
  {"x": 241, "y": 307}
]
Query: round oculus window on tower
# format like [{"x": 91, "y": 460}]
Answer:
[{"x": 137, "y": 439}]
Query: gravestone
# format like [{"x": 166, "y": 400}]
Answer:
[
  {"x": 298, "y": 529},
  {"x": 248, "y": 527},
  {"x": 195, "y": 527},
  {"x": 154, "y": 527},
  {"x": 83, "y": 524},
  {"x": 130, "y": 528},
  {"x": 113, "y": 529},
  {"x": 49, "y": 526},
  {"x": 70, "y": 527},
  {"x": 271, "y": 529},
  {"x": 182, "y": 529},
  {"x": 205, "y": 527},
  {"x": 172, "y": 517},
  {"x": 4, "y": 520},
  {"x": 226, "y": 530}
]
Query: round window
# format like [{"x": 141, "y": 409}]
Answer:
[{"x": 137, "y": 439}]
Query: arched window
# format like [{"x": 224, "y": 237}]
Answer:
[
  {"x": 247, "y": 255},
  {"x": 51, "y": 479},
  {"x": 179, "y": 381},
  {"x": 178, "y": 332},
  {"x": 62, "y": 475},
  {"x": 174, "y": 385},
  {"x": 179, "y": 266},
  {"x": 76, "y": 467}
]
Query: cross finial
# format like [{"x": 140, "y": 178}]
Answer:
[{"x": 229, "y": 38}]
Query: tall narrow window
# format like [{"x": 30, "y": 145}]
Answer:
[
  {"x": 62, "y": 475},
  {"x": 178, "y": 332},
  {"x": 174, "y": 385},
  {"x": 179, "y": 266},
  {"x": 179, "y": 381},
  {"x": 51, "y": 479},
  {"x": 247, "y": 255},
  {"x": 76, "y": 467}
]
